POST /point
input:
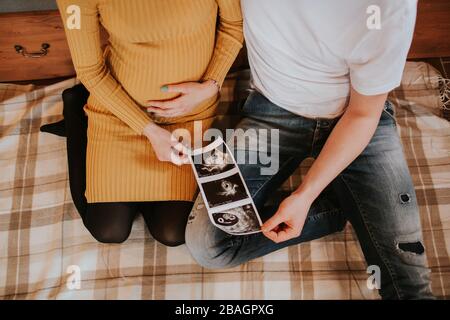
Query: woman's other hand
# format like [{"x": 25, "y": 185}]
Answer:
[
  {"x": 191, "y": 95},
  {"x": 165, "y": 145}
]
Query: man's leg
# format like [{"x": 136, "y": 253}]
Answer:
[
  {"x": 213, "y": 248},
  {"x": 379, "y": 200}
]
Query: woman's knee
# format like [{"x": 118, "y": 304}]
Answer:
[
  {"x": 170, "y": 237},
  {"x": 109, "y": 222},
  {"x": 103, "y": 234},
  {"x": 167, "y": 220}
]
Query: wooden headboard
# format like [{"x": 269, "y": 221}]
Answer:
[{"x": 41, "y": 34}]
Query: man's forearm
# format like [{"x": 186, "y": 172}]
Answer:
[{"x": 349, "y": 138}]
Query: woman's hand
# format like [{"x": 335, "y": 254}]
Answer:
[
  {"x": 287, "y": 223},
  {"x": 192, "y": 94},
  {"x": 166, "y": 146}
]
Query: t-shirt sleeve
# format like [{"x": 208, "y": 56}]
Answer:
[{"x": 377, "y": 62}]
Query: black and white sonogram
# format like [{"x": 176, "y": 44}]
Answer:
[
  {"x": 223, "y": 191},
  {"x": 223, "y": 194},
  {"x": 240, "y": 220},
  {"x": 213, "y": 162}
]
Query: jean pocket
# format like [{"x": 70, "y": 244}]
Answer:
[
  {"x": 246, "y": 104},
  {"x": 388, "y": 113}
]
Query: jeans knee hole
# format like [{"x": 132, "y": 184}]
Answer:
[
  {"x": 405, "y": 198},
  {"x": 415, "y": 248}
]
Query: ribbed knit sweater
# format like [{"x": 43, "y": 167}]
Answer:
[{"x": 151, "y": 43}]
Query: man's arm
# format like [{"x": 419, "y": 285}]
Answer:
[{"x": 347, "y": 141}]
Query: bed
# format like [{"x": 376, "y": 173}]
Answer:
[{"x": 43, "y": 241}]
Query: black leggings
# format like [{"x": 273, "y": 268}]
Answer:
[{"x": 112, "y": 222}]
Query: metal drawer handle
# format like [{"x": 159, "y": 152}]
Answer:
[{"x": 36, "y": 54}]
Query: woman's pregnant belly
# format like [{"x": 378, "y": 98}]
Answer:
[{"x": 143, "y": 68}]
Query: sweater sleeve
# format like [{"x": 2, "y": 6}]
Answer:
[
  {"x": 85, "y": 48},
  {"x": 229, "y": 40}
]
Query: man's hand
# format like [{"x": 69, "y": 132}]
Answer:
[
  {"x": 287, "y": 223},
  {"x": 348, "y": 139},
  {"x": 166, "y": 146},
  {"x": 192, "y": 94}
]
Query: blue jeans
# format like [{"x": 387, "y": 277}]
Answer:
[{"x": 375, "y": 194}]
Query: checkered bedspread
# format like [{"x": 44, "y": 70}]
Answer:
[{"x": 42, "y": 237}]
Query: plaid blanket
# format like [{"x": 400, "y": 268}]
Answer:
[{"x": 44, "y": 245}]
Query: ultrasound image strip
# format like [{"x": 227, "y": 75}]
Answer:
[
  {"x": 225, "y": 195},
  {"x": 212, "y": 160}
]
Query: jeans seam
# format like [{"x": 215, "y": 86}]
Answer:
[
  {"x": 320, "y": 215},
  {"x": 313, "y": 142},
  {"x": 387, "y": 264}
]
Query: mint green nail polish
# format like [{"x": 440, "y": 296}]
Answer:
[{"x": 164, "y": 88}]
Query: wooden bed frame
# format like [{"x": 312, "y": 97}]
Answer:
[{"x": 41, "y": 35}]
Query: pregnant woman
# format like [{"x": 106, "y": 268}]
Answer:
[{"x": 161, "y": 71}]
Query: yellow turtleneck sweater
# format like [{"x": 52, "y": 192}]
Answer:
[{"x": 152, "y": 43}]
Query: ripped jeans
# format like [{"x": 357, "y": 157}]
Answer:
[{"x": 375, "y": 194}]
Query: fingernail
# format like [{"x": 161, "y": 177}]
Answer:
[{"x": 164, "y": 88}]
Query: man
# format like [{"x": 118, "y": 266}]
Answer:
[{"x": 321, "y": 74}]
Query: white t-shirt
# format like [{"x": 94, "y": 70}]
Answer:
[{"x": 304, "y": 54}]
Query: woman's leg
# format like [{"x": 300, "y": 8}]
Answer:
[
  {"x": 166, "y": 220},
  {"x": 110, "y": 222},
  {"x": 76, "y": 132},
  {"x": 77, "y": 94}
]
